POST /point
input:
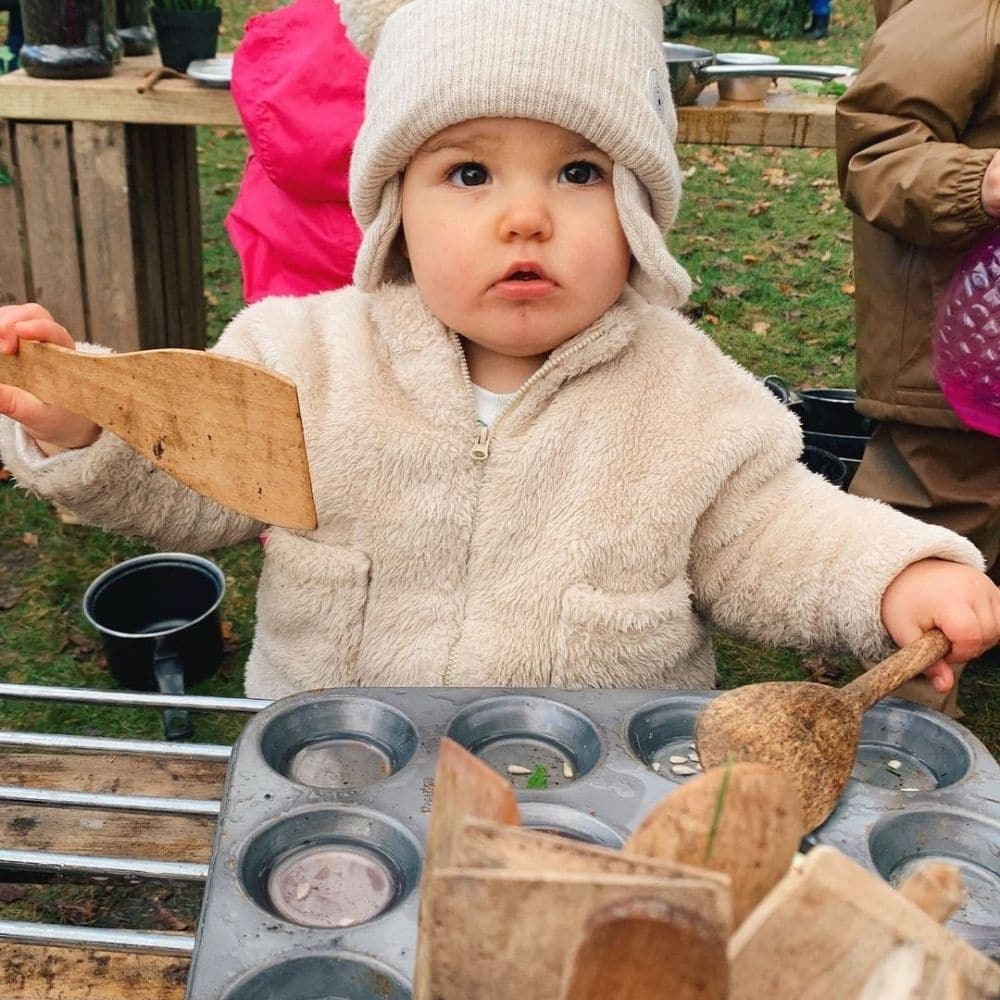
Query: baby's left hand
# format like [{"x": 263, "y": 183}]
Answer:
[{"x": 959, "y": 600}]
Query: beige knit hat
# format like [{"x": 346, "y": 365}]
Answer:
[{"x": 594, "y": 67}]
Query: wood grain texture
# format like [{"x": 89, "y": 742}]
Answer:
[
  {"x": 99, "y": 151},
  {"x": 225, "y": 403},
  {"x": 31, "y": 973},
  {"x": 13, "y": 280},
  {"x": 43, "y": 155},
  {"x": 827, "y": 927}
]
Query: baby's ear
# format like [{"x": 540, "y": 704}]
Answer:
[{"x": 363, "y": 20}]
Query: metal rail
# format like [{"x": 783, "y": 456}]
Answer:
[
  {"x": 108, "y": 745},
  {"x": 96, "y": 866},
  {"x": 97, "y": 938},
  {"x": 133, "y": 699},
  {"x": 104, "y": 800}
]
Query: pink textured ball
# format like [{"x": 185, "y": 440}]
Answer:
[{"x": 966, "y": 339}]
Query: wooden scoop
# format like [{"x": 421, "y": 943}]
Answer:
[
  {"x": 464, "y": 787},
  {"x": 229, "y": 429},
  {"x": 808, "y": 731},
  {"x": 646, "y": 949},
  {"x": 743, "y": 820}
]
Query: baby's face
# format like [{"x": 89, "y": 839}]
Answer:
[{"x": 511, "y": 229}]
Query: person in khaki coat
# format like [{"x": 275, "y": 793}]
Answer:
[
  {"x": 918, "y": 134},
  {"x": 529, "y": 469}
]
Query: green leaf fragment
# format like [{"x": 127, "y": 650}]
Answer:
[{"x": 538, "y": 779}]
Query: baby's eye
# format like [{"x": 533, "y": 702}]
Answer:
[
  {"x": 469, "y": 175},
  {"x": 581, "y": 172}
]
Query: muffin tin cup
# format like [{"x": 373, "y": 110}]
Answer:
[{"x": 318, "y": 848}]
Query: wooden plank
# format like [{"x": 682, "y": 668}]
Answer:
[
  {"x": 146, "y": 229},
  {"x": 115, "y": 99},
  {"x": 44, "y": 168},
  {"x": 13, "y": 280},
  {"x": 106, "y": 233},
  {"x": 101, "y": 832},
  {"x": 785, "y": 118},
  {"x": 122, "y": 775},
  {"x": 190, "y": 248},
  {"x": 33, "y": 973}
]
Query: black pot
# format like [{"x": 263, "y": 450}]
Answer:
[
  {"x": 69, "y": 39},
  {"x": 134, "y": 27},
  {"x": 841, "y": 445},
  {"x": 822, "y": 462},
  {"x": 158, "y": 616},
  {"x": 186, "y": 35},
  {"x": 831, "y": 411}
]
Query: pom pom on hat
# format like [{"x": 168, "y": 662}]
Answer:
[{"x": 594, "y": 68}]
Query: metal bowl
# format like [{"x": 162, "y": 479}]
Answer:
[{"x": 744, "y": 88}]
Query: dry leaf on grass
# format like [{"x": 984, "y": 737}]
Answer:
[
  {"x": 847, "y": 289},
  {"x": 760, "y": 327},
  {"x": 11, "y": 893},
  {"x": 29, "y": 539}
]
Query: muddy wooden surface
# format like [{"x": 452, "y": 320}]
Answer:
[{"x": 39, "y": 973}]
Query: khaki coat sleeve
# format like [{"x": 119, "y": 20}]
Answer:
[{"x": 904, "y": 159}]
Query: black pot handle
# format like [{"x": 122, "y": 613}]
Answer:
[{"x": 170, "y": 680}]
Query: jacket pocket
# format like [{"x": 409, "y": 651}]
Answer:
[
  {"x": 310, "y": 610},
  {"x": 626, "y": 640}
]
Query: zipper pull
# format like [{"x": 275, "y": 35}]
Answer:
[{"x": 481, "y": 449}]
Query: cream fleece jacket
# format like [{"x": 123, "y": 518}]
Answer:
[{"x": 640, "y": 486}]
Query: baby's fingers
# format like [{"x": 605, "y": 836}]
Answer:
[
  {"x": 941, "y": 676},
  {"x": 12, "y": 318},
  {"x": 44, "y": 423},
  {"x": 968, "y": 628}
]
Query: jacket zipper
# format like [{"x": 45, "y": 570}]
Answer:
[{"x": 480, "y": 452}]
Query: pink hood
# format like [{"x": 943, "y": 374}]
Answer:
[{"x": 298, "y": 84}]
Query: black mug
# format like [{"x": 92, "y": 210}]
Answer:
[{"x": 158, "y": 616}]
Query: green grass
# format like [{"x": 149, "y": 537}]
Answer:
[{"x": 766, "y": 238}]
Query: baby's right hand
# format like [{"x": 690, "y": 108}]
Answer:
[{"x": 53, "y": 428}]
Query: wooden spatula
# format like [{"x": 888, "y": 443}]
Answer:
[
  {"x": 808, "y": 731},
  {"x": 463, "y": 787},
  {"x": 229, "y": 429},
  {"x": 645, "y": 949},
  {"x": 743, "y": 820}
]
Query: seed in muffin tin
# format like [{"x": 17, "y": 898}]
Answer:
[
  {"x": 683, "y": 769},
  {"x": 656, "y": 765},
  {"x": 894, "y": 765},
  {"x": 518, "y": 769},
  {"x": 677, "y": 759},
  {"x": 693, "y": 756},
  {"x": 567, "y": 769},
  {"x": 302, "y": 890}
]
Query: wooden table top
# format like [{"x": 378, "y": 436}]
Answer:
[
  {"x": 30, "y": 972},
  {"x": 785, "y": 118}
]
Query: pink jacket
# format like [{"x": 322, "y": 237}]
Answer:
[{"x": 299, "y": 86}]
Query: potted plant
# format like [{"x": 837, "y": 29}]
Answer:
[{"x": 186, "y": 30}]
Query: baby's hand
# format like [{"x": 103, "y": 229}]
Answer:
[
  {"x": 54, "y": 429},
  {"x": 959, "y": 600},
  {"x": 990, "y": 190}
]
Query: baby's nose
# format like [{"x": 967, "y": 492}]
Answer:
[{"x": 526, "y": 218}]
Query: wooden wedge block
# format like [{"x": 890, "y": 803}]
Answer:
[
  {"x": 645, "y": 949},
  {"x": 504, "y": 935},
  {"x": 463, "y": 787},
  {"x": 826, "y": 927},
  {"x": 936, "y": 888},
  {"x": 482, "y": 844}
]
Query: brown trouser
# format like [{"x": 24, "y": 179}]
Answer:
[{"x": 941, "y": 476}]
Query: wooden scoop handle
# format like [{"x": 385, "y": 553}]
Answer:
[{"x": 902, "y": 666}]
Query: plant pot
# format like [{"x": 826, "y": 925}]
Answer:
[{"x": 186, "y": 35}]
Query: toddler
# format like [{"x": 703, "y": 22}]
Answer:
[{"x": 528, "y": 468}]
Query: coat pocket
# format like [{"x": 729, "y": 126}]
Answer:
[
  {"x": 629, "y": 640},
  {"x": 310, "y": 610}
]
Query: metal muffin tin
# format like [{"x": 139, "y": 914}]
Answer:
[{"x": 312, "y": 892}]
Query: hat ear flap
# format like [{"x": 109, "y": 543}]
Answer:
[{"x": 363, "y": 20}]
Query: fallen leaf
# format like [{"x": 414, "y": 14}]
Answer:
[
  {"x": 30, "y": 539},
  {"x": 749, "y": 258},
  {"x": 9, "y": 597},
  {"x": 847, "y": 289},
  {"x": 759, "y": 208},
  {"x": 731, "y": 291},
  {"x": 11, "y": 893},
  {"x": 711, "y": 318},
  {"x": 760, "y": 327},
  {"x": 821, "y": 670},
  {"x": 4, "y": 474}
]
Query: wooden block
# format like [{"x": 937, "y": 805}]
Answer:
[
  {"x": 99, "y": 151},
  {"x": 825, "y": 928},
  {"x": 45, "y": 172},
  {"x": 482, "y": 844},
  {"x": 497, "y": 935},
  {"x": 122, "y": 775},
  {"x": 33, "y": 973},
  {"x": 13, "y": 281}
]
